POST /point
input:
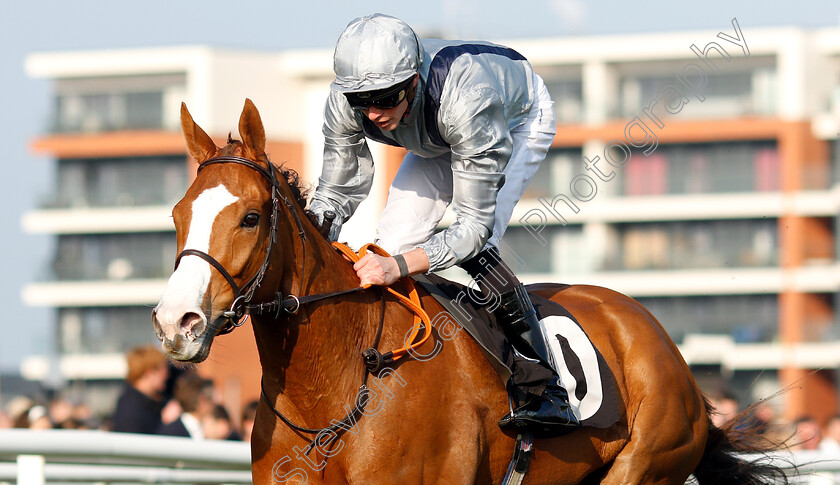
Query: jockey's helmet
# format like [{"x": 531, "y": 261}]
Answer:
[{"x": 376, "y": 57}]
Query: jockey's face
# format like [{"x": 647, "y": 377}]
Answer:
[{"x": 387, "y": 119}]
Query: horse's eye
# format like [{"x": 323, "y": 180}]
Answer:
[{"x": 251, "y": 220}]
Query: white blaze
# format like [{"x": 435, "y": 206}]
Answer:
[
  {"x": 205, "y": 208},
  {"x": 187, "y": 285}
]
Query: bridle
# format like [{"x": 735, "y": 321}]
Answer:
[
  {"x": 242, "y": 305},
  {"x": 289, "y": 304},
  {"x": 243, "y": 295}
]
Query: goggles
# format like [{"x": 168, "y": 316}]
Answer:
[{"x": 384, "y": 98}]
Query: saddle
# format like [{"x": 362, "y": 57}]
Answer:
[{"x": 582, "y": 369}]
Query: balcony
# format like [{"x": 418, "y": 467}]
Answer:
[
  {"x": 99, "y": 220},
  {"x": 94, "y": 293},
  {"x": 117, "y": 103}
]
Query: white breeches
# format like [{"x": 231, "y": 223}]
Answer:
[{"x": 422, "y": 187}]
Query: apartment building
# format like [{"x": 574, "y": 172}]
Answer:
[
  {"x": 121, "y": 166},
  {"x": 696, "y": 172}
]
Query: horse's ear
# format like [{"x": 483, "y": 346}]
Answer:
[
  {"x": 251, "y": 130},
  {"x": 199, "y": 144}
]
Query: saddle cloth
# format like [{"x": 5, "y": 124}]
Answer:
[{"x": 581, "y": 367}]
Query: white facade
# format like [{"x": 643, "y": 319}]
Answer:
[{"x": 790, "y": 75}]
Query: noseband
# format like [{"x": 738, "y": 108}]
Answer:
[{"x": 243, "y": 295}]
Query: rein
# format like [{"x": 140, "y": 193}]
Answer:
[
  {"x": 373, "y": 360},
  {"x": 349, "y": 418},
  {"x": 290, "y": 304}
]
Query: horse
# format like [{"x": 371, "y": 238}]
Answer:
[{"x": 246, "y": 245}]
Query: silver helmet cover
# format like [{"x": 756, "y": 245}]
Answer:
[{"x": 375, "y": 52}]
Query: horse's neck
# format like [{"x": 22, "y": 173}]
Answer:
[{"x": 314, "y": 357}]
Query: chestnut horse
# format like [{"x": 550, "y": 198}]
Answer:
[{"x": 246, "y": 245}]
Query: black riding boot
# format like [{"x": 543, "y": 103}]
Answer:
[{"x": 548, "y": 413}]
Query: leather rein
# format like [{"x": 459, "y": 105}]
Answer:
[{"x": 289, "y": 304}]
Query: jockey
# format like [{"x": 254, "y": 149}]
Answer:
[{"x": 477, "y": 122}]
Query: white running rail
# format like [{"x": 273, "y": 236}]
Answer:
[{"x": 70, "y": 456}]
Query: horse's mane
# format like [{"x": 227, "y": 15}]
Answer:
[{"x": 300, "y": 193}]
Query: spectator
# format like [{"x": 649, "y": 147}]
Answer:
[
  {"x": 18, "y": 409},
  {"x": 764, "y": 419},
  {"x": 5, "y": 420},
  {"x": 726, "y": 408},
  {"x": 195, "y": 396},
  {"x": 831, "y": 439},
  {"x": 218, "y": 426},
  {"x": 72, "y": 423},
  {"x": 763, "y": 416},
  {"x": 139, "y": 406},
  {"x": 81, "y": 413},
  {"x": 171, "y": 411},
  {"x": 806, "y": 434},
  {"x": 39, "y": 418},
  {"x": 59, "y": 411},
  {"x": 248, "y": 416}
]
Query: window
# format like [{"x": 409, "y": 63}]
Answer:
[
  {"x": 557, "y": 248},
  {"x": 109, "y": 112},
  {"x": 747, "y": 318},
  {"x": 114, "y": 256},
  {"x": 695, "y": 244},
  {"x": 555, "y": 173},
  {"x": 103, "y": 330},
  {"x": 568, "y": 99},
  {"x": 646, "y": 175},
  {"x": 703, "y": 168},
  {"x": 100, "y": 104},
  {"x": 564, "y": 83},
  {"x": 109, "y": 182},
  {"x": 748, "y": 91}
]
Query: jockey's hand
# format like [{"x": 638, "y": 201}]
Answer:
[{"x": 373, "y": 269}]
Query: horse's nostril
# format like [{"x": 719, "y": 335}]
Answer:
[
  {"x": 192, "y": 326},
  {"x": 156, "y": 324}
]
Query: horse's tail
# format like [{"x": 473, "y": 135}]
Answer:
[{"x": 723, "y": 462}]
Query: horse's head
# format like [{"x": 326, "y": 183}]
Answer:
[{"x": 226, "y": 229}]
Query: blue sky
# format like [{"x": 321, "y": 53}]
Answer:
[{"x": 42, "y": 25}]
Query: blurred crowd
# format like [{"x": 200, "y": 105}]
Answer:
[
  {"x": 155, "y": 399},
  {"x": 160, "y": 399},
  {"x": 802, "y": 433}
]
